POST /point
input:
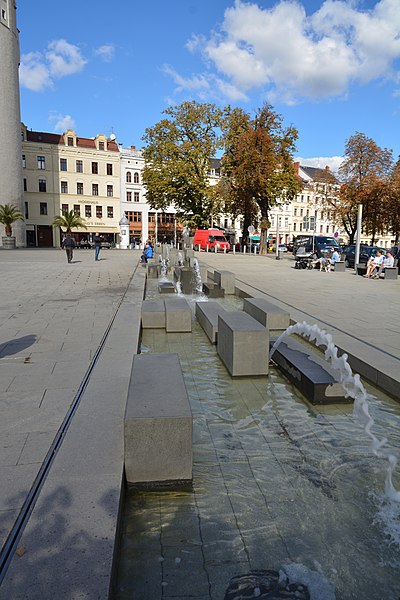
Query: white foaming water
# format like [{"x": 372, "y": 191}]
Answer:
[
  {"x": 180, "y": 259},
  {"x": 164, "y": 269},
  {"x": 178, "y": 288},
  {"x": 197, "y": 275},
  {"x": 354, "y": 389}
]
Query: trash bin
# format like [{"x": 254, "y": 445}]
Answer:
[{"x": 279, "y": 255}]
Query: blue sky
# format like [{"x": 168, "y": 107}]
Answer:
[{"x": 329, "y": 68}]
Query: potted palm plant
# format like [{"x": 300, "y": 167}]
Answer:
[
  {"x": 9, "y": 213},
  {"x": 68, "y": 221}
]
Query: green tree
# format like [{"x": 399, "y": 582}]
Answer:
[
  {"x": 68, "y": 221},
  {"x": 9, "y": 214},
  {"x": 364, "y": 173},
  {"x": 392, "y": 204},
  {"x": 178, "y": 152},
  {"x": 258, "y": 161}
]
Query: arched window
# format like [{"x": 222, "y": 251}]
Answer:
[
  {"x": 128, "y": 177},
  {"x": 136, "y": 178}
]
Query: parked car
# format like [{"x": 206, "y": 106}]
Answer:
[
  {"x": 282, "y": 248},
  {"x": 316, "y": 246},
  {"x": 84, "y": 244},
  {"x": 365, "y": 254}
]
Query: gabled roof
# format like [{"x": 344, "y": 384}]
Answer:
[
  {"x": 318, "y": 174},
  {"x": 56, "y": 139}
]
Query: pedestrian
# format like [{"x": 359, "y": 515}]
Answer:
[
  {"x": 97, "y": 245},
  {"x": 69, "y": 245}
]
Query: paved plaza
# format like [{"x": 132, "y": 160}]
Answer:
[{"x": 68, "y": 333}]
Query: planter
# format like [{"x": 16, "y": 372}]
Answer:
[{"x": 8, "y": 243}]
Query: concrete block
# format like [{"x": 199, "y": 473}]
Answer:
[
  {"x": 225, "y": 280},
  {"x": 158, "y": 422},
  {"x": 189, "y": 253},
  {"x": 153, "y": 270},
  {"x": 242, "y": 344},
  {"x": 391, "y": 272},
  {"x": 309, "y": 372},
  {"x": 340, "y": 266},
  {"x": 178, "y": 315},
  {"x": 153, "y": 314},
  {"x": 186, "y": 277},
  {"x": 166, "y": 287},
  {"x": 361, "y": 269},
  {"x": 273, "y": 317},
  {"x": 213, "y": 291},
  {"x": 207, "y": 315}
]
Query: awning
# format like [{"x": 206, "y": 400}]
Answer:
[
  {"x": 255, "y": 238},
  {"x": 94, "y": 229}
]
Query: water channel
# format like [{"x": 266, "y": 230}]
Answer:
[{"x": 276, "y": 481}]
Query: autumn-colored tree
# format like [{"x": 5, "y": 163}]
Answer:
[
  {"x": 258, "y": 163},
  {"x": 364, "y": 172},
  {"x": 392, "y": 205},
  {"x": 178, "y": 152}
]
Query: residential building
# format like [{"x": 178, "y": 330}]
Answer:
[{"x": 66, "y": 172}]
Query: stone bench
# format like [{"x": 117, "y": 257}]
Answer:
[
  {"x": 391, "y": 273},
  {"x": 339, "y": 266},
  {"x": 153, "y": 270},
  {"x": 311, "y": 374},
  {"x": 178, "y": 316},
  {"x": 212, "y": 290},
  {"x": 158, "y": 422},
  {"x": 242, "y": 344},
  {"x": 166, "y": 287},
  {"x": 207, "y": 315},
  {"x": 225, "y": 280},
  {"x": 153, "y": 314},
  {"x": 275, "y": 319}
]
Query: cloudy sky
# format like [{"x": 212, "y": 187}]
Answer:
[{"x": 329, "y": 68}]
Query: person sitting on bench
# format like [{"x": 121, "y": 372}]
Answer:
[
  {"x": 388, "y": 261},
  {"x": 374, "y": 264}
]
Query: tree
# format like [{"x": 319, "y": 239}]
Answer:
[
  {"x": 392, "y": 204},
  {"x": 364, "y": 173},
  {"x": 178, "y": 152},
  {"x": 69, "y": 220},
  {"x": 258, "y": 161},
  {"x": 9, "y": 213}
]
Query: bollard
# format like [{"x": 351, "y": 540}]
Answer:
[
  {"x": 207, "y": 248},
  {"x": 234, "y": 248},
  {"x": 244, "y": 249}
]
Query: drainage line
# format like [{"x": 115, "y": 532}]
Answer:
[{"x": 17, "y": 530}]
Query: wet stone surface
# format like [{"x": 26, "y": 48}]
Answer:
[{"x": 265, "y": 585}]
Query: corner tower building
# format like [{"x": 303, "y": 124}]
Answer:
[{"x": 11, "y": 189}]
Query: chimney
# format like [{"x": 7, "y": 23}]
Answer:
[{"x": 327, "y": 168}]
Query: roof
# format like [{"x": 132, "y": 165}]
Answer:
[
  {"x": 318, "y": 174},
  {"x": 58, "y": 140}
]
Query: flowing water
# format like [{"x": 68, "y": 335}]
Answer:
[{"x": 276, "y": 481}]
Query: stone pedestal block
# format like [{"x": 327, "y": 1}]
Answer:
[
  {"x": 268, "y": 314},
  {"x": 340, "y": 266},
  {"x": 166, "y": 287},
  {"x": 153, "y": 270},
  {"x": 391, "y": 272},
  {"x": 153, "y": 314},
  {"x": 178, "y": 315},
  {"x": 186, "y": 277},
  {"x": 212, "y": 291},
  {"x": 207, "y": 315},
  {"x": 225, "y": 280},
  {"x": 243, "y": 344},
  {"x": 158, "y": 422}
]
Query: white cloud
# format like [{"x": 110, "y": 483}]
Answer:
[
  {"x": 196, "y": 82},
  {"x": 61, "y": 122},
  {"x": 38, "y": 70},
  {"x": 106, "y": 52},
  {"x": 290, "y": 55},
  {"x": 321, "y": 162}
]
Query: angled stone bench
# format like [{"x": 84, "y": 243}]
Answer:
[
  {"x": 153, "y": 270},
  {"x": 274, "y": 318},
  {"x": 158, "y": 422},
  {"x": 309, "y": 372},
  {"x": 242, "y": 344},
  {"x": 178, "y": 316},
  {"x": 212, "y": 290},
  {"x": 153, "y": 314},
  {"x": 207, "y": 315},
  {"x": 225, "y": 280}
]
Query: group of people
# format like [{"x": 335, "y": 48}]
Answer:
[
  {"x": 327, "y": 262},
  {"x": 377, "y": 264}
]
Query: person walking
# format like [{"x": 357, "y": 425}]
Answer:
[
  {"x": 97, "y": 245},
  {"x": 69, "y": 245}
]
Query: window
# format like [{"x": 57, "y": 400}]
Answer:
[
  {"x": 109, "y": 169},
  {"x": 110, "y": 212},
  {"x": 25, "y": 185},
  {"x": 41, "y": 162},
  {"x": 95, "y": 168},
  {"x": 99, "y": 212},
  {"x": 88, "y": 211},
  {"x": 128, "y": 177},
  {"x": 129, "y": 196},
  {"x": 101, "y": 145},
  {"x": 70, "y": 141},
  {"x": 23, "y": 161},
  {"x": 77, "y": 209},
  {"x": 43, "y": 208},
  {"x": 64, "y": 208},
  {"x": 42, "y": 185},
  {"x": 110, "y": 191},
  {"x": 26, "y": 211},
  {"x": 301, "y": 212},
  {"x": 136, "y": 196},
  {"x": 137, "y": 217},
  {"x": 300, "y": 226},
  {"x": 63, "y": 164},
  {"x": 95, "y": 189},
  {"x": 136, "y": 178},
  {"x": 295, "y": 212},
  {"x": 294, "y": 226},
  {"x": 79, "y": 188},
  {"x": 64, "y": 187},
  {"x": 79, "y": 166}
]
